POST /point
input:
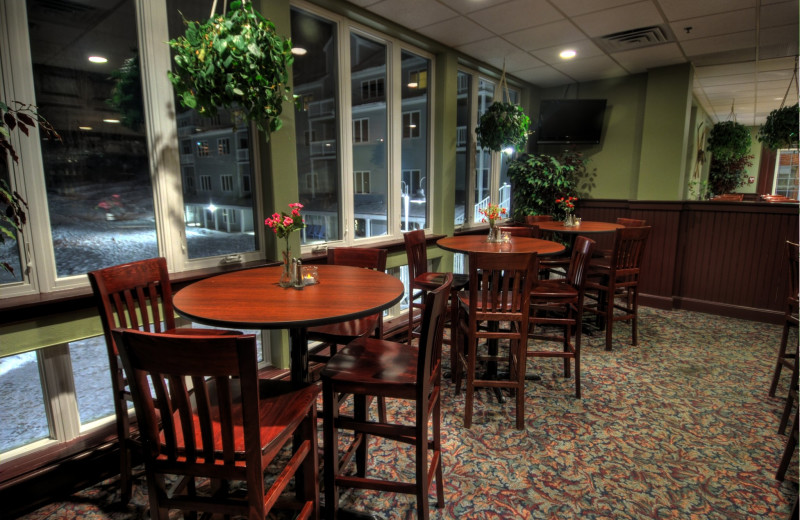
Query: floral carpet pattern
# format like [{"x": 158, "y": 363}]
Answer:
[{"x": 680, "y": 426}]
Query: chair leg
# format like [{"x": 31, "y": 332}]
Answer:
[
  {"x": 608, "y": 317},
  {"x": 421, "y": 463},
  {"x": 519, "y": 372},
  {"x": 471, "y": 353},
  {"x": 779, "y": 363},
  {"x": 125, "y": 471},
  {"x": 437, "y": 447},
  {"x": 331, "y": 451},
  {"x": 635, "y": 319},
  {"x": 309, "y": 491},
  {"x": 788, "y": 451}
]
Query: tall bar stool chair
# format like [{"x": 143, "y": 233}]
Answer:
[
  {"x": 788, "y": 357},
  {"x": 136, "y": 295},
  {"x": 368, "y": 368},
  {"x": 210, "y": 421},
  {"x": 421, "y": 281},
  {"x": 496, "y": 307},
  {"x": 618, "y": 276},
  {"x": 559, "y": 302}
]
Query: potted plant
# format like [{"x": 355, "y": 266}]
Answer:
[
  {"x": 20, "y": 117},
  {"x": 780, "y": 128},
  {"x": 539, "y": 181},
  {"x": 729, "y": 144},
  {"x": 235, "y": 60},
  {"x": 503, "y": 125}
]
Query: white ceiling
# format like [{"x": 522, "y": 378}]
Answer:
[{"x": 744, "y": 51}]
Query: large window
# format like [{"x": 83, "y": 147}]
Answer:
[
  {"x": 786, "y": 170},
  {"x": 357, "y": 130},
  {"x": 481, "y": 175}
]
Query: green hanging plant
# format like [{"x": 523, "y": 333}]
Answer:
[
  {"x": 236, "y": 60},
  {"x": 503, "y": 125},
  {"x": 780, "y": 128}
]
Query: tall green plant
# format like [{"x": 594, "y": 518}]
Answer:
[
  {"x": 729, "y": 144},
  {"x": 538, "y": 180},
  {"x": 236, "y": 61}
]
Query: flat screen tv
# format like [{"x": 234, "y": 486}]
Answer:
[{"x": 571, "y": 120}]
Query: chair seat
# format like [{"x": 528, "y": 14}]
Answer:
[
  {"x": 282, "y": 407},
  {"x": 341, "y": 331},
  {"x": 464, "y": 301},
  {"x": 386, "y": 367},
  {"x": 551, "y": 289},
  {"x": 432, "y": 280}
]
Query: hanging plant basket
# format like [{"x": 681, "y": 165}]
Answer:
[
  {"x": 729, "y": 140},
  {"x": 236, "y": 61},
  {"x": 503, "y": 125},
  {"x": 780, "y": 128}
]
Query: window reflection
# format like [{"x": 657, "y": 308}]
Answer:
[
  {"x": 316, "y": 127},
  {"x": 99, "y": 194},
  {"x": 415, "y": 179},
  {"x": 21, "y": 389}
]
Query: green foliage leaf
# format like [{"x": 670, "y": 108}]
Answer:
[
  {"x": 538, "y": 180},
  {"x": 233, "y": 61},
  {"x": 503, "y": 125},
  {"x": 780, "y": 128},
  {"x": 729, "y": 144}
]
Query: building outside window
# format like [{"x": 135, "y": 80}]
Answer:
[
  {"x": 223, "y": 146},
  {"x": 361, "y": 182},
  {"x": 202, "y": 148},
  {"x": 786, "y": 174},
  {"x": 227, "y": 182},
  {"x": 361, "y": 130},
  {"x": 410, "y": 124},
  {"x": 205, "y": 183}
]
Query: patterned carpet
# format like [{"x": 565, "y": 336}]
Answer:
[{"x": 680, "y": 426}]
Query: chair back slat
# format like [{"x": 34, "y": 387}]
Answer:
[
  {"x": 631, "y": 222},
  {"x": 366, "y": 257},
  {"x": 429, "y": 358},
  {"x": 629, "y": 244},
  {"x": 502, "y": 287},
  {"x": 582, "y": 250},
  {"x": 417, "y": 252}
]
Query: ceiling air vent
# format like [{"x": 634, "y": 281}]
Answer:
[{"x": 634, "y": 38}]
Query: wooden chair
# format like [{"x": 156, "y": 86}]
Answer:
[
  {"x": 618, "y": 275},
  {"x": 627, "y": 222},
  {"x": 785, "y": 357},
  {"x": 370, "y": 367},
  {"x": 334, "y": 334},
  {"x": 522, "y": 231},
  {"x": 499, "y": 293},
  {"x": 209, "y": 421},
  {"x": 533, "y": 219},
  {"x": 421, "y": 281},
  {"x": 137, "y": 295},
  {"x": 560, "y": 303}
]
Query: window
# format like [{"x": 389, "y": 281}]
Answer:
[
  {"x": 229, "y": 216},
  {"x": 186, "y": 147},
  {"x": 205, "y": 182},
  {"x": 482, "y": 177},
  {"x": 410, "y": 124},
  {"x": 227, "y": 182},
  {"x": 360, "y": 130},
  {"x": 223, "y": 146},
  {"x": 361, "y": 182},
  {"x": 246, "y": 183},
  {"x": 202, "y": 148},
  {"x": 786, "y": 174},
  {"x": 372, "y": 89}
]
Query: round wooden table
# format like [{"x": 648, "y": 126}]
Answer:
[
  {"x": 584, "y": 228},
  {"x": 478, "y": 244},
  {"x": 252, "y": 299}
]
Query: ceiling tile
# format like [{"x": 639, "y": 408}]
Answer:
[
  {"x": 456, "y": 31},
  {"x": 467, "y": 6},
  {"x": 413, "y": 13},
  {"x": 715, "y": 25},
  {"x": 609, "y": 21},
  {"x": 364, "y": 3},
  {"x": 683, "y": 9},
  {"x": 778, "y": 14},
  {"x": 722, "y": 43},
  {"x": 590, "y": 69},
  {"x": 545, "y": 36},
  {"x": 489, "y": 50},
  {"x": 584, "y": 48},
  {"x": 579, "y": 7},
  {"x": 544, "y": 77},
  {"x": 520, "y": 61},
  {"x": 725, "y": 70},
  {"x": 640, "y": 60},
  {"x": 505, "y": 19}
]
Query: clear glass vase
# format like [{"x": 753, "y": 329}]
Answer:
[
  {"x": 494, "y": 233},
  {"x": 569, "y": 220},
  {"x": 286, "y": 272}
]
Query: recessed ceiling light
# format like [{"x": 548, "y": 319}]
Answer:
[
  {"x": 98, "y": 59},
  {"x": 111, "y": 121},
  {"x": 413, "y": 84},
  {"x": 299, "y": 51},
  {"x": 84, "y": 127},
  {"x": 568, "y": 54}
]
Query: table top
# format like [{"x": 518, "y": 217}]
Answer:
[
  {"x": 584, "y": 228},
  {"x": 478, "y": 244},
  {"x": 252, "y": 298}
]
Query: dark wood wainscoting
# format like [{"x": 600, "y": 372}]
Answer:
[{"x": 725, "y": 258}]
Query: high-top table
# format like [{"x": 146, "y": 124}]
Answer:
[
  {"x": 478, "y": 244},
  {"x": 252, "y": 299},
  {"x": 584, "y": 228}
]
